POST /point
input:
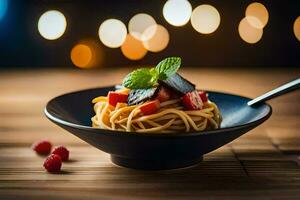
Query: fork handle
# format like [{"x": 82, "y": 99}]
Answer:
[{"x": 283, "y": 89}]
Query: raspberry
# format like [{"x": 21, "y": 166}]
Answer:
[
  {"x": 42, "y": 147},
  {"x": 62, "y": 152},
  {"x": 53, "y": 163}
]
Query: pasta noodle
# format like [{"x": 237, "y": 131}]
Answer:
[{"x": 171, "y": 117}]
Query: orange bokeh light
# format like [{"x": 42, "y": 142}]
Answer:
[
  {"x": 297, "y": 28},
  {"x": 249, "y": 33},
  {"x": 87, "y": 54},
  {"x": 260, "y": 12},
  {"x": 81, "y": 55},
  {"x": 133, "y": 48},
  {"x": 160, "y": 39}
]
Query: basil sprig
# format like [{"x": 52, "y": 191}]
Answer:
[{"x": 147, "y": 77}]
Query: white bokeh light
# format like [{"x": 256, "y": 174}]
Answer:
[
  {"x": 112, "y": 33},
  {"x": 205, "y": 19},
  {"x": 177, "y": 12},
  {"x": 52, "y": 24},
  {"x": 138, "y": 24}
]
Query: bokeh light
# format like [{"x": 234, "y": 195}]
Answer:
[
  {"x": 160, "y": 39},
  {"x": 205, "y": 19},
  {"x": 3, "y": 8},
  {"x": 177, "y": 12},
  {"x": 255, "y": 22},
  {"x": 138, "y": 24},
  {"x": 249, "y": 33},
  {"x": 258, "y": 11},
  {"x": 297, "y": 28},
  {"x": 81, "y": 55},
  {"x": 52, "y": 24},
  {"x": 112, "y": 33},
  {"x": 87, "y": 54},
  {"x": 133, "y": 48}
]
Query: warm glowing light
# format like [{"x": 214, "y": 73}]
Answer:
[
  {"x": 81, "y": 55},
  {"x": 177, "y": 12},
  {"x": 133, "y": 48},
  {"x": 112, "y": 33},
  {"x": 255, "y": 22},
  {"x": 297, "y": 28},
  {"x": 52, "y": 24},
  {"x": 3, "y": 8},
  {"x": 205, "y": 19},
  {"x": 260, "y": 12},
  {"x": 138, "y": 24},
  {"x": 160, "y": 39},
  {"x": 87, "y": 54},
  {"x": 249, "y": 33}
]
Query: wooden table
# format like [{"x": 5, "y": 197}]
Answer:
[{"x": 259, "y": 165}]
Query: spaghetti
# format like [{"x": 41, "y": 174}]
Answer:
[{"x": 171, "y": 117}]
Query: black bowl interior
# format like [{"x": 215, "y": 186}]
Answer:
[{"x": 73, "y": 112}]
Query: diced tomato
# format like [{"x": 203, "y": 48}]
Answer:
[
  {"x": 150, "y": 107},
  {"x": 163, "y": 94},
  {"x": 203, "y": 96},
  {"x": 115, "y": 97},
  {"x": 192, "y": 101}
]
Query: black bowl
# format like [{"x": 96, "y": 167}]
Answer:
[{"x": 158, "y": 151}]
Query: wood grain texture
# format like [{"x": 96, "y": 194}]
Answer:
[{"x": 259, "y": 165}]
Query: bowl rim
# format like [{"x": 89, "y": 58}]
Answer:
[{"x": 181, "y": 134}]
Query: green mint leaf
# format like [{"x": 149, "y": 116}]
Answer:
[
  {"x": 168, "y": 67},
  {"x": 141, "y": 78}
]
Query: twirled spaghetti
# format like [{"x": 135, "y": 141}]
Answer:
[
  {"x": 171, "y": 117},
  {"x": 156, "y": 100}
]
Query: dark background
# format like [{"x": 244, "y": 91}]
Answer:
[{"x": 22, "y": 45}]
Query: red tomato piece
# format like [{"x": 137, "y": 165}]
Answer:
[
  {"x": 203, "y": 96},
  {"x": 163, "y": 94},
  {"x": 150, "y": 107},
  {"x": 192, "y": 101},
  {"x": 115, "y": 97}
]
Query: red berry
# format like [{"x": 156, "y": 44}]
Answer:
[
  {"x": 62, "y": 152},
  {"x": 53, "y": 163},
  {"x": 42, "y": 147}
]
